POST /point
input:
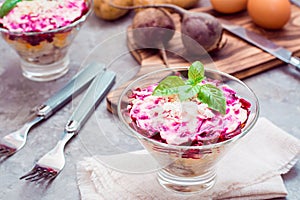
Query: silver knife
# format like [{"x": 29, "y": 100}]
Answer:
[
  {"x": 95, "y": 93},
  {"x": 262, "y": 42}
]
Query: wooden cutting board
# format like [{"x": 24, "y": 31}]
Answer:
[{"x": 236, "y": 57}]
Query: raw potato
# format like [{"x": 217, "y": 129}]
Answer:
[
  {"x": 104, "y": 11},
  {"x": 147, "y": 2},
  {"x": 185, "y": 3},
  {"x": 181, "y": 3}
]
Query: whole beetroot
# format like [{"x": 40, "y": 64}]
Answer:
[
  {"x": 201, "y": 28},
  {"x": 197, "y": 28},
  {"x": 152, "y": 28}
]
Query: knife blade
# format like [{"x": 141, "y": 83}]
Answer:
[{"x": 263, "y": 43}]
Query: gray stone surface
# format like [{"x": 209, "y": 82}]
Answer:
[{"x": 277, "y": 90}]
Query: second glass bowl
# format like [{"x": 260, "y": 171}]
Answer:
[{"x": 44, "y": 55}]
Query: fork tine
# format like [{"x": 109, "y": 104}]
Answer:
[
  {"x": 4, "y": 150},
  {"x": 42, "y": 174},
  {"x": 52, "y": 175},
  {"x": 38, "y": 177},
  {"x": 43, "y": 179},
  {"x": 39, "y": 174},
  {"x": 30, "y": 174},
  {"x": 45, "y": 176}
]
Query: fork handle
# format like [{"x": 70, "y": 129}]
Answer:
[
  {"x": 95, "y": 93},
  {"x": 73, "y": 87}
]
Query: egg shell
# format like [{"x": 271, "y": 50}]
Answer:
[{"x": 269, "y": 14}]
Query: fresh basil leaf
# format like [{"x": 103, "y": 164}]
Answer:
[
  {"x": 187, "y": 91},
  {"x": 168, "y": 86},
  {"x": 213, "y": 97},
  {"x": 189, "y": 82},
  {"x": 208, "y": 93},
  {"x": 196, "y": 72},
  {"x": 7, "y": 6},
  {"x": 165, "y": 92}
]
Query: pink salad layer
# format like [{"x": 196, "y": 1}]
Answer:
[
  {"x": 42, "y": 15},
  {"x": 166, "y": 119}
]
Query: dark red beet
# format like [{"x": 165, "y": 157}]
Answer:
[
  {"x": 152, "y": 28},
  {"x": 197, "y": 28}
]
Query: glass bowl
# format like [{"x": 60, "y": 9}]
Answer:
[
  {"x": 186, "y": 169},
  {"x": 44, "y": 55}
]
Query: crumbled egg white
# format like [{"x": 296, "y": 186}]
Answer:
[{"x": 182, "y": 122}]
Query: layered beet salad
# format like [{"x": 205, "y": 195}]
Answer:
[
  {"x": 187, "y": 118},
  {"x": 182, "y": 119},
  {"x": 40, "y": 30},
  {"x": 191, "y": 114}
]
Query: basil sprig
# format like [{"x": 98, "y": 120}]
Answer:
[
  {"x": 206, "y": 93},
  {"x": 7, "y": 6}
]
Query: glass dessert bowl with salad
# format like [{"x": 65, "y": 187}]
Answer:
[
  {"x": 41, "y": 31},
  {"x": 187, "y": 118}
]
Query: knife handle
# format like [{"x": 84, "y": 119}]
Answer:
[
  {"x": 73, "y": 87},
  {"x": 95, "y": 93},
  {"x": 295, "y": 61},
  {"x": 296, "y": 2}
]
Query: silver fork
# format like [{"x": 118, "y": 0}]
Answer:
[
  {"x": 14, "y": 141},
  {"x": 49, "y": 166}
]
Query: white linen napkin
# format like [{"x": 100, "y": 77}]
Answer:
[{"x": 251, "y": 170}]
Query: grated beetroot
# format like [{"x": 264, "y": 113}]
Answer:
[{"x": 161, "y": 119}]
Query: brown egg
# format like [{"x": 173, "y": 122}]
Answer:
[
  {"x": 269, "y": 14},
  {"x": 229, "y": 6}
]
